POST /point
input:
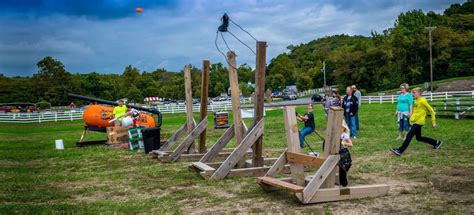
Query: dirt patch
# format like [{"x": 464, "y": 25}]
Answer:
[{"x": 461, "y": 85}]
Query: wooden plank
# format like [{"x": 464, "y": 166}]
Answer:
[
  {"x": 172, "y": 140},
  {"x": 219, "y": 145},
  {"x": 202, "y": 166},
  {"x": 204, "y": 101},
  {"x": 189, "y": 104},
  {"x": 188, "y": 140},
  {"x": 278, "y": 166},
  {"x": 260, "y": 65},
  {"x": 293, "y": 142},
  {"x": 248, "y": 172},
  {"x": 282, "y": 184},
  {"x": 304, "y": 159},
  {"x": 197, "y": 157},
  {"x": 352, "y": 192},
  {"x": 323, "y": 172},
  {"x": 333, "y": 140},
  {"x": 239, "y": 152},
  {"x": 235, "y": 96}
]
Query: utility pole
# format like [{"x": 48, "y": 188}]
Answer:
[
  {"x": 324, "y": 71},
  {"x": 430, "y": 29}
]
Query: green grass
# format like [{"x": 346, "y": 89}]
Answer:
[{"x": 36, "y": 178}]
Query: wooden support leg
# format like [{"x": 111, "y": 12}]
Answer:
[
  {"x": 219, "y": 145},
  {"x": 239, "y": 152}
]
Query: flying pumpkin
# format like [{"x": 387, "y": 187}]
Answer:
[{"x": 138, "y": 9}]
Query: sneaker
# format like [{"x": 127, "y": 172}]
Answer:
[
  {"x": 438, "y": 144},
  {"x": 396, "y": 151},
  {"x": 354, "y": 137}
]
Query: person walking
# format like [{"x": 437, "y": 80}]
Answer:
[
  {"x": 404, "y": 111},
  {"x": 309, "y": 125},
  {"x": 358, "y": 95},
  {"x": 350, "y": 104},
  {"x": 417, "y": 119}
]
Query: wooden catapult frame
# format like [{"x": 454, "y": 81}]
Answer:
[
  {"x": 320, "y": 187},
  {"x": 250, "y": 138},
  {"x": 186, "y": 150}
]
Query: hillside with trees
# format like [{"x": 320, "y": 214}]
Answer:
[
  {"x": 386, "y": 59},
  {"x": 377, "y": 62}
]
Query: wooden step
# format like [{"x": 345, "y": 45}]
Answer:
[
  {"x": 282, "y": 184},
  {"x": 308, "y": 160},
  {"x": 202, "y": 166}
]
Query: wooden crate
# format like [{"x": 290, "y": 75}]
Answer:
[{"x": 117, "y": 134}]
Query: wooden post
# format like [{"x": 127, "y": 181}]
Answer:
[
  {"x": 293, "y": 141},
  {"x": 257, "y": 158},
  {"x": 189, "y": 103},
  {"x": 235, "y": 94},
  {"x": 333, "y": 141},
  {"x": 204, "y": 97}
]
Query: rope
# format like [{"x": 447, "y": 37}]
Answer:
[
  {"x": 219, "y": 50},
  {"x": 242, "y": 29},
  {"x": 242, "y": 42},
  {"x": 225, "y": 41}
]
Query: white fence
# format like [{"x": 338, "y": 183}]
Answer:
[
  {"x": 430, "y": 96},
  {"x": 54, "y": 116},
  {"x": 40, "y": 117}
]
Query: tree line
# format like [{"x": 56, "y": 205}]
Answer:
[{"x": 376, "y": 62}]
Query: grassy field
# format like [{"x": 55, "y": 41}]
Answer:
[{"x": 36, "y": 178}]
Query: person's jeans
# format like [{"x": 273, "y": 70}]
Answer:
[
  {"x": 351, "y": 123},
  {"x": 303, "y": 132},
  {"x": 416, "y": 131},
  {"x": 404, "y": 123},
  {"x": 357, "y": 121}
]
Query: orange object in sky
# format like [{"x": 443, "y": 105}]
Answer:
[
  {"x": 99, "y": 116},
  {"x": 138, "y": 9}
]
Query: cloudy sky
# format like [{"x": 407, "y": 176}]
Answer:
[{"x": 105, "y": 36}]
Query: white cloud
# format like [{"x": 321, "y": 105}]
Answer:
[{"x": 172, "y": 38}]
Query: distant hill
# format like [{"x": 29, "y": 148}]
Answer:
[{"x": 384, "y": 59}]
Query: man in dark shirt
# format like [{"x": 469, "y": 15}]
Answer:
[{"x": 308, "y": 119}]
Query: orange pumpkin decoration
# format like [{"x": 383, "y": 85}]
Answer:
[{"x": 138, "y": 9}]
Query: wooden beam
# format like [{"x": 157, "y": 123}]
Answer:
[
  {"x": 239, "y": 152},
  {"x": 293, "y": 141},
  {"x": 204, "y": 101},
  {"x": 202, "y": 166},
  {"x": 352, "y": 192},
  {"x": 333, "y": 140},
  {"x": 282, "y": 184},
  {"x": 189, "y": 140},
  {"x": 326, "y": 169},
  {"x": 278, "y": 166},
  {"x": 189, "y": 104},
  {"x": 219, "y": 145},
  {"x": 172, "y": 140},
  {"x": 260, "y": 65},
  {"x": 304, "y": 159},
  {"x": 235, "y": 95}
]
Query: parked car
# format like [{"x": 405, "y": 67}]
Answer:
[
  {"x": 196, "y": 101},
  {"x": 317, "y": 98},
  {"x": 289, "y": 96},
  {"x": 180, "y": 102}
]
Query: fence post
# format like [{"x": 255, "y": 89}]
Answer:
[
  {"x": 392, "y": 99},
  {"x": 458, "y": 108},
  {"x": 431, "y": 96},
  {"x": 39, "y": 118},
  {"x": 370, "y": 99},
  {"x": 56, "y": 116},
  {"x": 172, "y": 110},
  {"x": 446, "y": 95},
  {"x": 70, "y": 115},
  {"x": 380, "y": 99}
]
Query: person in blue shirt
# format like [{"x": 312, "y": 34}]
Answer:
[
  {"x": 404, "y": 111},
  {"x": 350, "y": 104}
]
